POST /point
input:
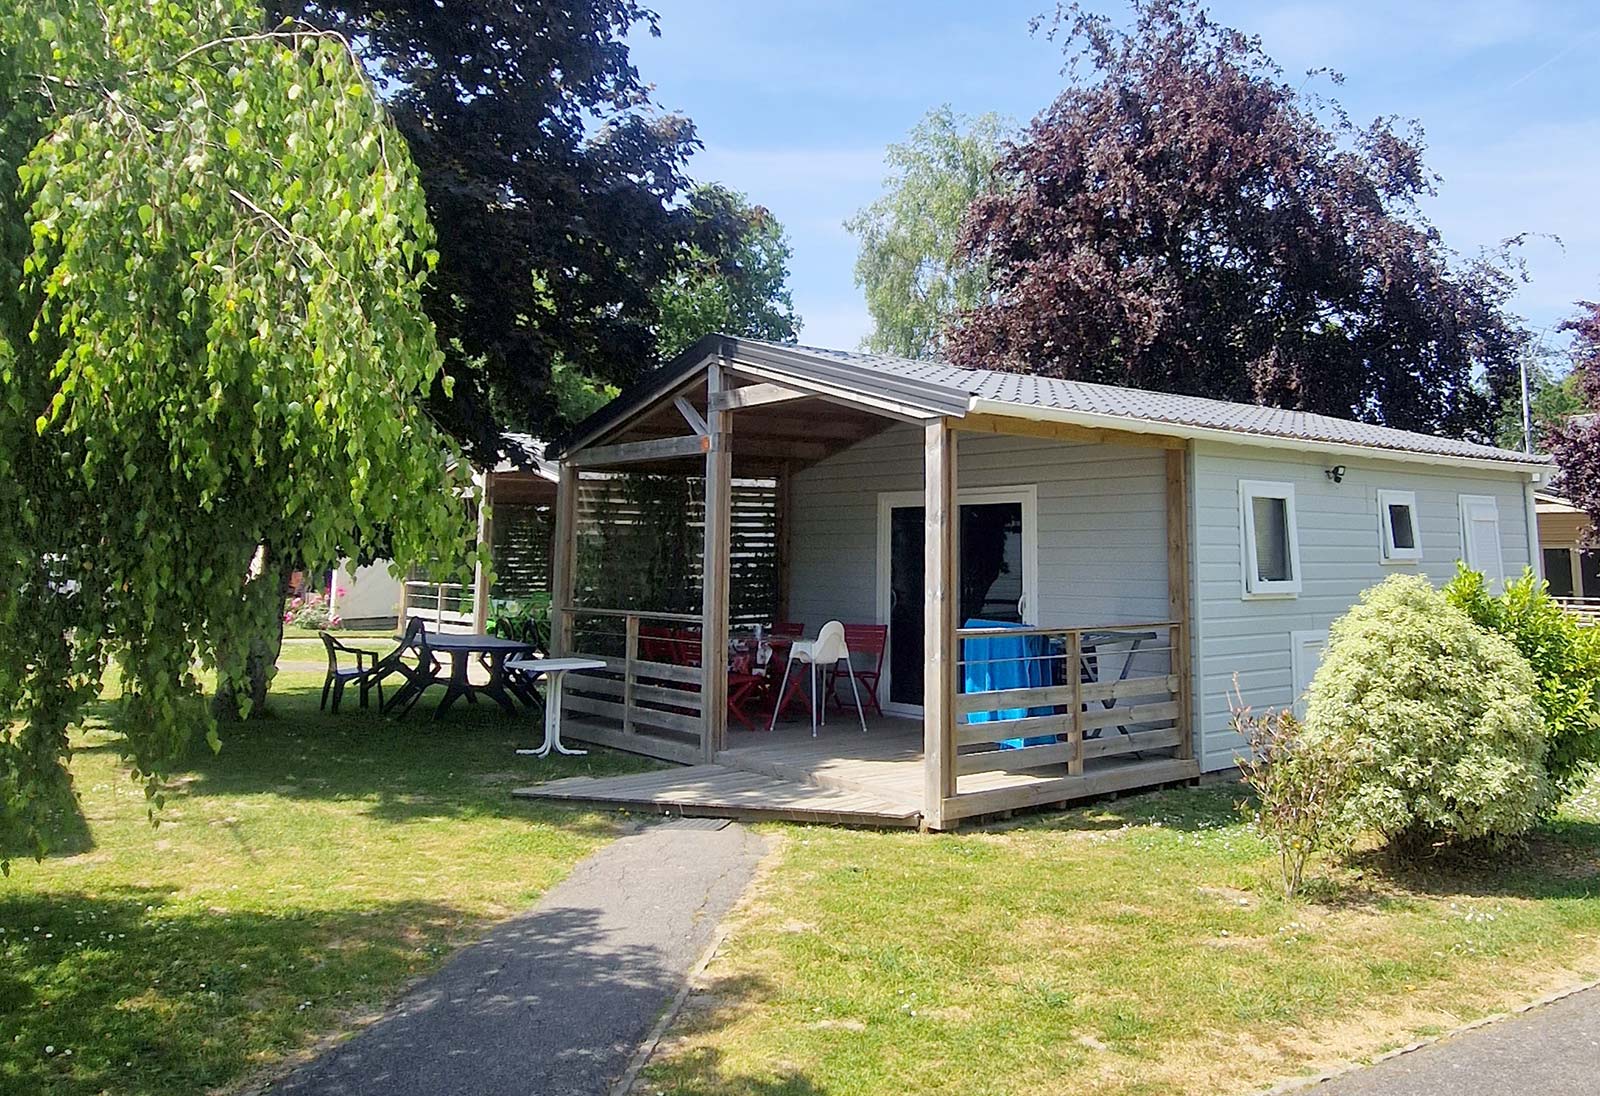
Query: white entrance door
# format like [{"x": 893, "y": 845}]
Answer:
[{"x": 998, "y": 575}]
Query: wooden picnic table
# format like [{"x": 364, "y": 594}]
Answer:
[{"x": 493, "y": 651}]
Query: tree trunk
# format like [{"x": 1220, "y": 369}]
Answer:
[{"x": 264, "y": 594}]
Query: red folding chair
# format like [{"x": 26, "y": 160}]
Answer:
[
  {"x": 745, "y": 686},
  {"x": 866, "y": 643},
  {"x": 685, "y": 647},
  {"x": 654, "y": 642}
]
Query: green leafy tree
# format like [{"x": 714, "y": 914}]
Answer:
[
  {"x": 915, "y": 280},
  {"x": 556, "y": 186},
  {"x": 1553, "y": 398},
  {"x": 213, "y": 248},
  {"x": 741, "y": 289}
]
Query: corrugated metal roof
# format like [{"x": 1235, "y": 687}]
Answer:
[
  {"x": 938, "y": 388},
  {"x": 1140, "y": 405}
]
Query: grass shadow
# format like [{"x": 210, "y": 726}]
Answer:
[
  {"x": 463, "y": 765},
  {"x": 1186, "y": 809},
  {"x": 65, "y": 828},
  {"x": 697, "y": 1070},
  {"x": 704, "y": 1065},
  {"x": 124, "y": 991},
  {"x": 1559, "y": 860}
]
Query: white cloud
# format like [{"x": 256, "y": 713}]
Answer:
[{"x": 1310, "y": 35}]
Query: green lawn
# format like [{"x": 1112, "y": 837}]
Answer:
[
  {"x": 1135, "y": 948},
  {"x": 299, "y": 878}
]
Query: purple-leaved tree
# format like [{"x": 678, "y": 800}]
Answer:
[
  {"x": 1182, "y": 218},
  {"x": 1575, "y": 444}
]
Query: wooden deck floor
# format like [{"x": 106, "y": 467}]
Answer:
[
  {"x": 886, "y": 761},
  {"x": 842, "y": 776}
]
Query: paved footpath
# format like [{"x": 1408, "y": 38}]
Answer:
[
  {"x": 556, "y": 1001},
  {"x": 1553, "y": 1050}
]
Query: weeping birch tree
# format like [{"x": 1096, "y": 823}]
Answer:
[{"x": 212, "y": 354}]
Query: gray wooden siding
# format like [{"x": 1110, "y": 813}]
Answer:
[
  {"x": 1102, "y": 524},
  {"x": 1339, "y": 555}
]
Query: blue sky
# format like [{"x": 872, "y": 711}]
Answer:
[{"x": 796, "y": 101}]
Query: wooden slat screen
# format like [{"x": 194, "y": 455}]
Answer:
[
  {"x": 522, "y": 539},
  {"x": 640, "y": 547}
]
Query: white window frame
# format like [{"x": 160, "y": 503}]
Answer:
[
  {"x": 1388, "y": 552},
  {"x": 1251, "y": 585},
  {"x": 1495, "y": 578}
]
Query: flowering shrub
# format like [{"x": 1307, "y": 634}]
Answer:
[
  {"x": 1297, "y": 789},
  {"x": 311, "y": 610},
  {"x": 1565, "y": 658},
  {"x": 1437, "y": 718}
]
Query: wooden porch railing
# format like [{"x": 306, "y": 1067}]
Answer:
[
  {"x": 1586, "y": 609},
  {"x": 644, "y": 705},
  {"x": 1107, "y": 691}
]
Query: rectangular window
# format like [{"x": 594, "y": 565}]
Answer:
[
  {"x": 1397, "y": 517},
  {"x": 1589, "y": 572},
  {"x": 1480, "y": 538},
  {"x": 1558, "y": 572},
  {"x": 1270, "y": 548}
]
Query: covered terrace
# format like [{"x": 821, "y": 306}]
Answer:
[{"x": 1035, "y": 590}]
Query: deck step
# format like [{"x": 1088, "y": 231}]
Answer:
[{"x": 717, "y": 791}]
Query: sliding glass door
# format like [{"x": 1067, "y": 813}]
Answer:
[{"x": 995, "y": 545}]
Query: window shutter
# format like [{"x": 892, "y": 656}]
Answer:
[
  {"x": 1305, "y": 651},
  {"x": 1480, "y": 537}
]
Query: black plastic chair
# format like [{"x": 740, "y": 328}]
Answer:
[
  {"x": 418, "y": 677},
  {"x": 338, "y": 676}
]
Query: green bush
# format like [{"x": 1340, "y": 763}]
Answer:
[
  {"x": 1566, "y": 666},
  {"x": 525, "y": 619},
  {"x": 1437, "y": 718},
  {"x": 1297, "y": 790}
]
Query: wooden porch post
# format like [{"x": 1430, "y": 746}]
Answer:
[
  {"x": 480, "y": 574},
  {"x": 714, "y": 573},
  {"x": 940, "y": 604},
  {"x": 563, "y": 560},
  {"x": 1178, "y": 564},
  {"x": 782, "y": 520}
]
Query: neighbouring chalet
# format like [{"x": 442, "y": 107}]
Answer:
[{"x": 1130, "y": 551}]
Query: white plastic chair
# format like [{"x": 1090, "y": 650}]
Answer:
[{"x": 820, "y": 655}]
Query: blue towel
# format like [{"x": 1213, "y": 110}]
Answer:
[{"x": 1003, "y": 662}]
